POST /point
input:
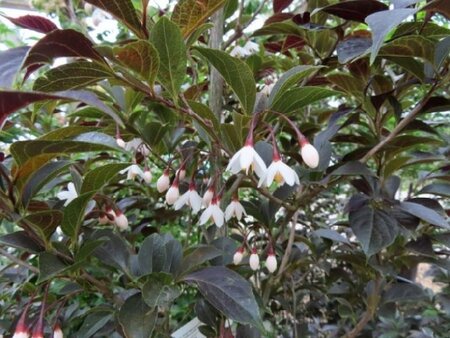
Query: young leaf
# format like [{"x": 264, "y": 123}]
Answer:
[
  {"x": 34, "y": 23},
  {"x": 279, "y": 5},
  {"x": 190, "y": 14},
  {"x": 229, "y": 293},
  {"x": 381, "y": 23},
  {"x": 124, "y": 11},
  {"x": 73, "y": 75},
  {"x": 168, "y": 41},
  {"x": 141, "y": 57},
  {"x": 355, "y": 10}
]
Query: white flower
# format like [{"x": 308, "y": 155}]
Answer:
[
  {"x": 267, "y": 89},
  {"x": 69, "y": 195},
  {"x": 57, "y": 332},
  {"x": 238, "y": 255},
  {"x": 163, "y": 182},
  {"x": 172, "y": 194},
  {"x": 310, "y": 155},
  {"x": 254, "y": 260},
  {"x": 208, "y": 196},
  {"x": 251, "y": 47},
  {"x": 190, "y": 198},
  {"x": 132, "y": 171},
  {"x": 137, "y": 144},
  {"x": 120, "y": 142},
  {"x": 248, "y": 49},
  {"x": 234, "y": 209},
  {"x": 247, "y": 158},
  {"x": 271, "y": 263},
  {"x": 181, "y": 173},
  {"x": 21, "y": 335},
  {"x": 147, "y": 176},
  {"x": 213, "y": 211},
  {"x": 280, "y": 172},
  {"x": 121, "y": 220},
  {"x": 103, "y": 219}
]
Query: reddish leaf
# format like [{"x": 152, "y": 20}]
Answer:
[
  {"x": 279, "y": 5},
  {"x": 61, "y": 43},
  {"x": 34, "y": 22},
  {"x": 293, "y": 41},
  {"x": 302, "y": 19},
  {"x": 278, "y": 17},
  {"x": 356, "y": 10},
  {"x": 439, "y": 6},
  {"x": 273, "y": 47}
]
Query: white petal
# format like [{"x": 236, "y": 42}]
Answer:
[
  {"x": 123, "y": 171},
  {"x": 229, "y": 211},
  {"x": 217, "y": 215},
  {"x": 71, "y": 189},
  {"x": 287, "y": 173},
  {"x": 271, "y": 172},
  {"x": 254, "y": 262},
  {"x": 195, "y": 201},
  {"x": 206, "y": 215},
  {"x": 180, "y": 202},
  {"x": 246, "y": 157},
  {"x": 239, "y": 210},
  {"x": 310, "y": 155},
  {"x": 234, "y": 159},
  {"x": 259, "y": 165}
]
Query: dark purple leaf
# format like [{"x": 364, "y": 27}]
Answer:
[
  {"x": 34, "y": 22},
  {"x": 61, "y": 43},
  {"x": 279, "y": 5},
  {"x": 351, "y": 48},
  {"x": 424, "y": 213},
  {"x": 10, "y": 63},
  {"x": 356, "y": 10}
]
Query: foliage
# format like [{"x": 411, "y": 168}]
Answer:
[{"x": 362, "y": 82}]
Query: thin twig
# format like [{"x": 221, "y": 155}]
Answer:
[{"x": 287, "y": 252}]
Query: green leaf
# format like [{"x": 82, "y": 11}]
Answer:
[
  {"x": 168, "y": 41},
  {"x": 424, "y": 213},
  {"x": 190, "y": 14},
  {"x": 236, "y": 73},
  {"x": 141, "y": 57},
  {"x": 137, "y": 319},
  {"x": 298, "y": 98},
  {"x": 158, "y": 290},
  {"x": 290, "y": 79},
  {"x": 22, "y": 151},
  {"x": 49, "y": 266},
  {"x": 229, "y": 293},
  {"x": 74, "y": 215},
  {"x": 197, "y": 257},
  {"x": 74, "y": 75},
  {"x": 440, "y": 189},
  {"x": 95, "y": 179},
  {"x": 381, "y": 23},
  {"x": 124, "y": 11},
  {"x": 374, "y": 228},
  {"x": 410, "y": 46},
  {"x": 348, "y": 84}
]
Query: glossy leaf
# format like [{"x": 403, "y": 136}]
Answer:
[
  {"x": 410, "y": 46},
  {"x": 290, "y": 79},
  {"x": 61, "y": 43},
  {"x": 158, "y": 290},
  {"x": 298, "y": 98},
  {"x": 141, "y": 57},
  {"x": 352, "y": 47},
  {"x": 381, "y": 23},
  {"x": 440, "y": 189},
  {"x": 10, "y": 63},
  {"x": 190, "y": 14},
  {"x": 124, "y": 11},
  {"x": 43, "y": 223},
  {"x": 236, "y": 73},
  {"x": 21, "y": 240},
  {"x": 424, "y": 213},
  {"x": 197, "y": 257},
  {"x": 280, "y": 5},
  {"x": 49, "y": 266},
  {"x": 137, "y": 319},
  {"x": 353, "y": 168},
  {"x": 375, "y": 229},
  {"x": 33, "y": 22},
  {"x": 355, "y": 10},
  {"x": 229, "y": 293},
  {"x": 74, "y": 215},
  {"x": 168, "y": 41},
  {"x": 96, "y": 178}
]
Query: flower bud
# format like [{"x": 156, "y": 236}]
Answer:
[
  {"x": 120, "y": 142},
  {"x": 172, "y": 194},
  {"x": 310, "y": 155},
  {"x": 254, "y": 260},
  {"x": 238, "y": 255},
  {"x": 121, "y": 220},
  {"x": 163, "y": 182},
  {"x": 103, "y": 219},
  {"x": 208, "y": 196},
  {"x": 147, "y": 175},
  {"x": 21, "y": 330},
  {"x": 181, "y": 173},
  {"x": 271, "y": 263},
  {"x": 57, "y": 332}
]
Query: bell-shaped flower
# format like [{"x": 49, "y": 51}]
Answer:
[
  {"x": 190, "y": 198},
  {"x": 245, "y": 159},
  {"x": 57, "y": 332},
  {"x": 103, "y": 219},
  {"x": 213, "y": 212},
  {"x": 254, "y": 260},
  {"x": 137, "y": 144},
  {"x": 163, "y": 182},
  {"x": 309, "y": 154},
  {"x": 280, "y": 173},
  {"x": 173, "y": 193},
  {"x": 132, "y": 171},
  {"x": 208, "y": 196},
  {"x": 234, "y": 209},
  {"x": 147, "y": 176},
  {"x": 238, "y": 255},
  {"x": 120, "y": 142},
  {"x": 271, "y": 261},
  {"x": 21, "y": 330},
  {"x": 121, "y": 220},
  {"x": 69, "y": 195},
  {"x": 248, "y": 49}
]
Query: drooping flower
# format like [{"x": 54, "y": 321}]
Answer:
[
  {"x": 309, "y": 153},
  {"x": 271, "y": 261},
  {"x": 163, "y": 182},
  {"x": 238, "y": 255},
  {"x": 21, "y": 330},
  {"x": 208, "y": 196},
  {"x": 69, "y": 195},
  {"x": 121, "y": 220},
  {"x": 254, "y": 260},
  {"x": 213, "y": 212},
  {"x": 147, "y": 175},
  {"x": 103, "y": 219},
  {"x": 173, "y": 193},
  {"x": 137, "y": 144},
  {"x": 57, "y": 332},
  {"x": 247, "y": 158},
  {"x": 248, "y": 49},
  {"x": 190, "y": 198},
  {"x": 132, "y": 171},
  {"x": 120, "y": 142},
  {"x": 267, "y": 89},
  {"x": 234, "y": 209}
]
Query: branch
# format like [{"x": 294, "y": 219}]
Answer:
[
  {"x": 216, "y": 80},
  {"x": 18, "y": 261},
  {"x": 287, "y": 253}
]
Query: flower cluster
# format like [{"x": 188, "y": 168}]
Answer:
[{"x": 254, "y": 262}]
